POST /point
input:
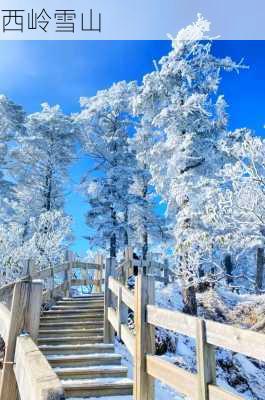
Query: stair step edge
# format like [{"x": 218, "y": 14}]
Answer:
[
  {"x": 97, "y": 368},
  {"x": 99, "y": 382},
  {"x": 83, "y": 356}
]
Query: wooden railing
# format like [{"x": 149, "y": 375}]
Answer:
[
  {"x": 21, "y": 316},
  {"x": 130, "y": 265},
  {"x": 25, "y": 369},
  {"x": 20, "y": 305},
  {"x": 59, "y": 280},
  {"x": 141, "y": 341},
  {"x": 34, "y": 376}
]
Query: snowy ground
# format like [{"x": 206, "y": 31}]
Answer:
[{"x": 235, "y": 372}]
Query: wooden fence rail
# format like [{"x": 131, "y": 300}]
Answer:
[
  {"x": 131, "y": 264},
  {"x": 34, "y": 376},
  {"x": 25, "y": 370},
  {"x": 23, "y": 317},
  {"x": 140, "y": 342},
  {"x": 19, "y": 323}
]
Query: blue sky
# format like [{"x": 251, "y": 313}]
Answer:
[{"x": 62, "y": 72}]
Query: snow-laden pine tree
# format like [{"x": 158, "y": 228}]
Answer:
[
  {"x": 117, "y": 186},
  {"x": 11, "y": 122},
  {"x": 45, "y": 248},
  {"x": 105, "y": 124},
  {"x": 149, "y": 227},
  {"x": 185, "y": 122},
  {"x": 238, "y": 211},
  {"x": 42, "y": 159}
]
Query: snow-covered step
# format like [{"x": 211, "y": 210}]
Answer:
[
  {"x": 97, "y": 387},
  {"x": 85, "y": 301},
  {"x": 76, "y": 349},
  {"x": 73, "y": 318},
  {"x": 78, "y": 306},
  {"x": 81, "y": 306},
  {"x": 70, "y": 340},
  {"x": 99, "y": 371},
  {"x": 99, "y": 300},
  {"x": 84, "y": 360},
  {"x": 54, "y": 324},
  {"x": 85, "y": 298},
  {"x": 129, "y": 397},
  {"x": 47, "y": 333},
  {"x": 75, "y": 311}
]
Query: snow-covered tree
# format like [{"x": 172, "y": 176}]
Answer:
[
  {"x": 46, "y": 247},
  {"x": 185, "y": 122},
  {"x": 35, "y": 152},
  {"x": 148, "y": 226},
  {"x": 121, "y": 210},
  {"x": 48, "y": 244},
  {"x": 11, "y": 252},
  {"x": 11, "y": 122},
  {"x": 105, "y": 123},
  {"x": 41, "y": 161},
  {"x": 238, "y": 210}
]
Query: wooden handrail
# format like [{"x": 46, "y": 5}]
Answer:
[
  {"x": 24, "y": 316},
  {"x": 8, "y": 286},
  {"x": 207, "y": 334},
  {"x": 44, "y": 273},
  {"x": 24, "y": 367},
  {"x": 172, "y": 320},
  {"x": 175, "y": 377},
  {"x": 35, "y": 377},
  {"x": 68, "y": 281},
  {"x": 126, "y": 267},
  {"x": 5, "y": 312}
]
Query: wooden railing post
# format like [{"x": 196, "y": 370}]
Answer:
[
  {"x": 98, "y": 274},
  {"x": 206, "y": 365},
  {"x": 122, "y": 312},
  {"x": 32, "y": 318},
  {"x": 8, "y": 389},
  {"x": 68, "y": 279},
  {"x": 108, "y": 330},
  {"x": 68, "y": 273},
  {"x": 145, "y": 338},
  {"x": 52, "y": 282}
]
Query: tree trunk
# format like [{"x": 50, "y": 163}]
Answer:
[
  {"x": 48, "y": 194},
  {"x": 113, "y": 245},
  {"x": 113, "y": 239},
  {"x": 126, "y": 239},
  {"x": 260, "y": 268},
  {"x": 145, "y": 233},
  {"x": 228, "y": 264},
  {"x": 190, "y": 301},
  {"x": 145, "y": 245},
  {"x": 126, "y": 236}
]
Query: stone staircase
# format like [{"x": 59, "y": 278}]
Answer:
[{"x": 72, "y": 339}]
